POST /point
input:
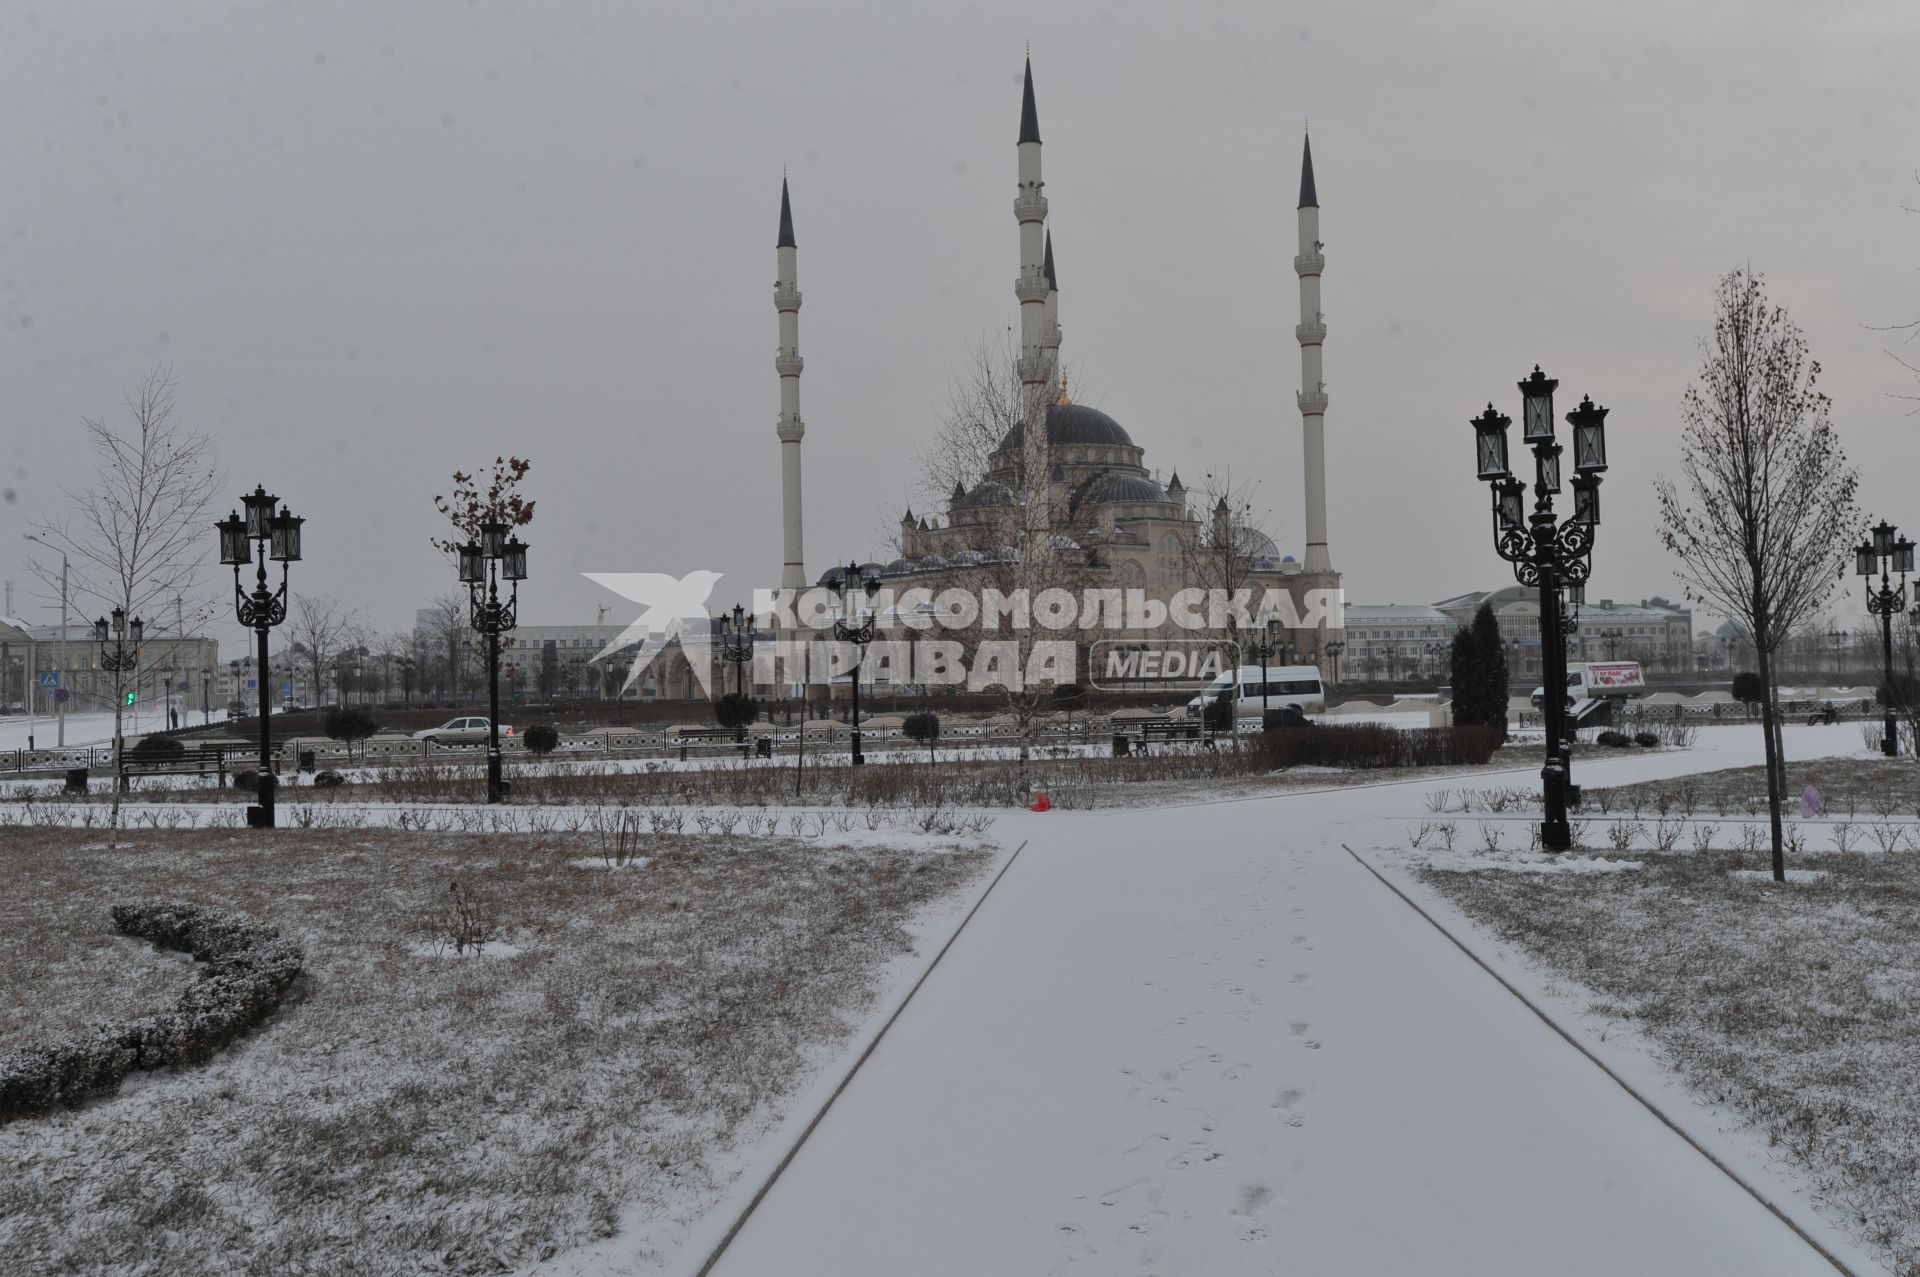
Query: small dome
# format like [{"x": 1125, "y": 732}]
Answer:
[
  {"x": 832, "y": 577},
  {"x": 967, "y": 558},
  {"x": 987, "y": 494},
  {"x": 899, "y": 567},
  {"x": 1117, "y": 489},
  {"x": 1077, "y": 423}
]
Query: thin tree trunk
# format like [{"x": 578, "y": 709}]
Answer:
[
  {"x": 1776, "y": 779},
  {"x": 119, "y": 765}
]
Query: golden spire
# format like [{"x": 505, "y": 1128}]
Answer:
[{"x": 1063, "y": 388}]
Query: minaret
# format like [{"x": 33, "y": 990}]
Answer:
[
  {"x": 1312, "y": 335},
  {"x": 1034, "y": 367},
  {"x": 1053, "y": 320},
  {"x": 787, "y": 362}
]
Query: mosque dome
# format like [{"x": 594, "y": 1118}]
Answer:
[
  {"x": 1117, "y": 489},
  {"x": 986, "y": 494},
  {"x": 1075, "y": 423}
]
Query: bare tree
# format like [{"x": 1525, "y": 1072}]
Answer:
[
  {"x": 139, "y": 533},
  {"x": 1769, "y": 502},
  {"x": 320, "y": 630}
]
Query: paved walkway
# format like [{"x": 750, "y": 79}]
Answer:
[{"x": 1205, "y": 1041}]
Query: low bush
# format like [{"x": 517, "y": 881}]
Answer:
[
  {"x": 247, "y": 968},
  {"x": 246, "y": 779},
  {"x": 328, "y": 779},
  {"x": 1364, "y": 746},
  {"x": 1646, "y": 740},
  {"x": 541, "y": 739},
  {"x": 1612, "y": 739},
  {"x": 157, "y": 749}
]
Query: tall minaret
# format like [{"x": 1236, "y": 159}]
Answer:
[
  {"x": 1053, "y": 319},
  {"x": 1312, "y": 335},
  {"x": 1034, "y": 365},
  {"x": 787, "y": 362}
]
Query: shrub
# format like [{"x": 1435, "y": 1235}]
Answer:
[
  {"x": 328, "y": 779},
  {"x": 154, "y": 749},
  {"x": 1366, "y": 746},
  {"x": 1646, "y": 740},
  {"x": 1612, "y": 740},
  {"x": 541, "y": 738},
  {"x": 348, "y": 723},
  {"x": 923, "y": 727},
  {"x": 248, "y": 779},
  {"x": 1283, "y": 717},
  {"x": 735, "y": 710},
  {"x": 1747, "y": 688},
  {"x": 245, "y": 970}
]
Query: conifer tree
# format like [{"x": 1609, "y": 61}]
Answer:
[{"x": 1479, "y": 660}]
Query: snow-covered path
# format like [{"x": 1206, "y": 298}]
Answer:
[{"x": 1206, "y": 1040}]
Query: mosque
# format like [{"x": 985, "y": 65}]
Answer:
[{"x": 1091, "y": 485}]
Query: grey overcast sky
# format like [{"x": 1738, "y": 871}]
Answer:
[{"x": 380, "y": 241}]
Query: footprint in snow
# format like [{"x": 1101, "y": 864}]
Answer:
[
  {"x": 1074, "y": 1238},
  {"x": 1298, "y": 1028}
]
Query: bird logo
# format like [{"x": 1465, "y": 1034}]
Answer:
[{"x": 668, "y": 608}]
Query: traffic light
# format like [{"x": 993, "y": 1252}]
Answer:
[{"x": 129, "y": 698}]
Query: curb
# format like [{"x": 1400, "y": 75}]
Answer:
[
  {"x": 1772, "y": 1207},
  {"x": 733, "y": 1230}
]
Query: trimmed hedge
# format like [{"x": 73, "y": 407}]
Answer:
[
  {"x": 1364, "y": 746},
  {"x": 247, "y": 970}
]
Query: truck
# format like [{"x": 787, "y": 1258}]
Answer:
[{"x": 1592, "y": 680}]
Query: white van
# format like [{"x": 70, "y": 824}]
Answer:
[{"x": 1295, "y": 685}]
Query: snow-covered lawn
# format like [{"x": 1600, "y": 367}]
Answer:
[
  {"x": 597, "y": 1070},
  {"x": 1795, "y": 1009}
]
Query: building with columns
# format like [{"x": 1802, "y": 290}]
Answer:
[{"x": 1076, "y": 470}]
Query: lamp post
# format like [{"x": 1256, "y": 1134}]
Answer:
[
  {"x": 1333, "y": 650},
  {"x": 736, "y": 649},
  {"x": 1262, "y": 647},
  {"x": 122, "y": 656},
  {"x": 737, "y": 638},
  {"x": 483, "y": 565},
  {"x": 259, "y": 536},
  {"x": 206, "y": 697},
  {"x": 1880, "y": 554},
  {"x": 1546, "y": 552},
  {"x": 858, "y": 633}
]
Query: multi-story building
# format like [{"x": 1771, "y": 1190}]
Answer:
[{"x": 175, "y": 671}]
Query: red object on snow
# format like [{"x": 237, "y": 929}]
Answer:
[{"x": 1041, "y": 802}]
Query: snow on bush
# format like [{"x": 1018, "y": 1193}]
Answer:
[{"x": 247, "y": 970}]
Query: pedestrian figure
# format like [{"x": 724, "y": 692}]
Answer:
[{"x": 1809, "y": 803}]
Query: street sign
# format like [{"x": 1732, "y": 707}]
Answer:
[
  {"x": 60, "y": 696},
  {"x": 49, "y": 678},
  {"x": 253, "y": 684}
]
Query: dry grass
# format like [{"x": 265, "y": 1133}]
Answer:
[
  {"x": 1796, "y": 1005},
  {"x": 1849, "y": 787},
  {"x": 406, "y": 1112}
]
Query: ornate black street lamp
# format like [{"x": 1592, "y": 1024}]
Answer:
[
  {"x": 120, "y": 657},
  {"x": 859, "y": 633},
  {"x": 1880, "y": 554},
  {"x": 1333, "y": 651},
  {"x": 483, "y": 565},
  {"x": 1547, "y": 553},
  {"x": 1261, "y": 647},
  {"x": 736, "y": 649},
  {"x": 272, "y": 536},
  {"x": 737, "y": 638}
]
